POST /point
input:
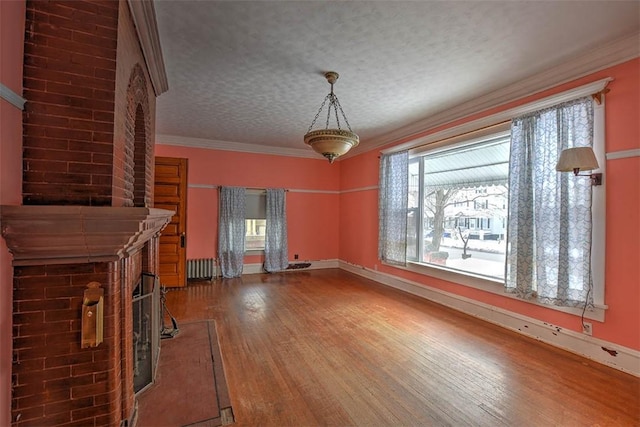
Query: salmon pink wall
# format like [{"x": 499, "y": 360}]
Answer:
[
  {"x": 12, "y": 17},
  {"x": 358, "y": 231},
  {"x": 362, "y": 172},
  {"x": 359, "y": 208},
  {"x": 312, "y": 202},
  {"x": 623, "y": 207}
]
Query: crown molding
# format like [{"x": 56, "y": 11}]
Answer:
[
  {"x": 144, "y": 18},
  {"x": 212, "y": 144},
  {"x": 596, "y": 59},
  {"x": 487, "y": 125},
  {"x": 584, "y": 64},
  {"x": 11, "y": 97}
]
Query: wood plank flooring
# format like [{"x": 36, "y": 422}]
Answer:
[{"x": 326, "y": 347}]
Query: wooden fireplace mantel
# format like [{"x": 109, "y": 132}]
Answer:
[{"x": 38, "y": 235}]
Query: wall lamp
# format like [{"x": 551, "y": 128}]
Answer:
[{"x": 579, "y": 158}]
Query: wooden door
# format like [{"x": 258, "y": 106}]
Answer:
[{"x": 170, "y": 192}]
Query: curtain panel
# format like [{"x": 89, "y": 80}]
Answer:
[
  {"x": 392, "y": 207},
  {"x": 549, "y": 226},
  {"x": 276, "y": 253},
  {"x": 231, "y": 231}
]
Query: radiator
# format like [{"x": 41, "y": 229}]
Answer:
[{"x": 202, "y": 268}]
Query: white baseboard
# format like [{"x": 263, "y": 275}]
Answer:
[
  {"x": 610, "y": 354},
  {"x": 255, "y": 268}
]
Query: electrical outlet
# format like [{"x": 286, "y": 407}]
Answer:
[
  {"x": 586, "y": 328},
  {"x": 295, "y": 256}
]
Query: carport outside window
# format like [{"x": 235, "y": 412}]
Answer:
[{"x": 457, "y": 207}]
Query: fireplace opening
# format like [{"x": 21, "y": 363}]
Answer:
[{"x": 146, "y": 331}]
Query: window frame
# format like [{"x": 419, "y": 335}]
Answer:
[
  {"x": 498, "y": 132},
  {"x": 489, "y": 124}
]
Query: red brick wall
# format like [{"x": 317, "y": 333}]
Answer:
[
  {"x": 88, "y": 128},
  {"x": 138, "y": 153},
  {"x": 55, "y": 382},
  {"x": 132, "y": 185},
  {"x": 85, "y": 81},
  {"x": 140, "y": 158},
  {"x": 69, "y": 83}
]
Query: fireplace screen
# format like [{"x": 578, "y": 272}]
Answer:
[{"x": 146, "y": 333}]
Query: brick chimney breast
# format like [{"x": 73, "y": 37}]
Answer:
[
  {"x": 92, "y": 71},
  {"x": 69, "y": 84}
]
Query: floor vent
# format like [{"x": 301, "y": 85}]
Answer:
[{"x": 202, "y": 268}]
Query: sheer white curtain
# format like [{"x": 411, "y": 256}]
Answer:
[
  {"x": 276, "y": 254},
  {"x": 549, "y": 227},
  {"x": 392, "y": 207},
  {"x": 231, "y": 231}
]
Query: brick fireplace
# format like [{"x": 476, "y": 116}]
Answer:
[
  {"x": 92, "y": 71},
  {"x": 58, "y": 251}
]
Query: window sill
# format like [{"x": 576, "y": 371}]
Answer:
[
  {"x": 254, "y": 252},
  {"x": 494, "y": 286}
]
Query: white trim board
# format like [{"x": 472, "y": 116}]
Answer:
[
  {"x": 144, "y": 18},
  {"x": 211, "y": 144},
  {"x": 296, "y": 190},
  {"x": 11, "y": 97},
  {"x": 624, "y": 154},
  {"x": 610, "y": 354},
  {"x": 355, "y": 190}
]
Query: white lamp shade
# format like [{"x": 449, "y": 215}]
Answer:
[{"x": 581, "y": 158}]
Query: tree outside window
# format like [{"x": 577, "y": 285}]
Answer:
[{"x": 458, "y": 205}]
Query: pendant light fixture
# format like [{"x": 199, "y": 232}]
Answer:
[{"x": 331, "y": 142}]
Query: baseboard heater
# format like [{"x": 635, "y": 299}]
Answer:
[
  {"x": 201, "y": 268},
  {"x": 299, "y": 265}
]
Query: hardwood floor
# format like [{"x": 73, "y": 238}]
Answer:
[{"x": 326, "y": 347}]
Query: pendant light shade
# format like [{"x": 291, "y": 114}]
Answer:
[{"x": 331, "y": 142}]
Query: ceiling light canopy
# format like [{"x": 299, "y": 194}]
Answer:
[{"x": 331, "y": 142}]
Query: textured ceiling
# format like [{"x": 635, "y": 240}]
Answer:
[{"x": 252, "y": 72}]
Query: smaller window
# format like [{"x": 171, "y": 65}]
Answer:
[
  {"x": 255, "y": 234},
  {"x": 255, "y": 220}
]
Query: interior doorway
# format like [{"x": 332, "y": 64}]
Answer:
[{"x": 170, "y": 192}]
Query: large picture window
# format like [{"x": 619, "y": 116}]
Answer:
[
  {"x": 486, "y": 207},
  {"x": 457, "y": 206}
]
